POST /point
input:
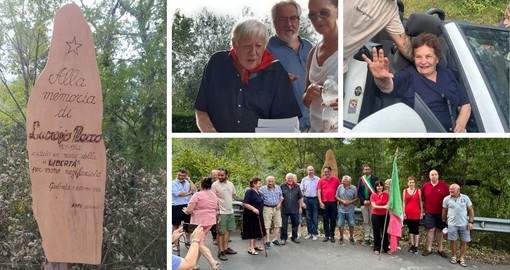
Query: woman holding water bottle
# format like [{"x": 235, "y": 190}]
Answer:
[{"x": 322, "y": 67}]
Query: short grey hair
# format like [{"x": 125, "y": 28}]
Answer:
[
  {"x": 250, "y": 27},
  {"x": 283, "y": 3},
  {"x": 291, "y": 174}
]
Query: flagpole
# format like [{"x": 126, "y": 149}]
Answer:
[
  {"x": 384, "y": 232},
  {"x": 385, "y": 220}
]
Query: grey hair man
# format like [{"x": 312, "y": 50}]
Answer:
[
  {"x": 291, "y": 50},
  {"x": 272, "y": 196},
  {"x": 346, "y": 196},
  {"x": 459, "y": 214},
  {"x": 291, "y": 207}
]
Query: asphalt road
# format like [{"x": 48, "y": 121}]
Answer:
[{"x": 317, "y": 255}]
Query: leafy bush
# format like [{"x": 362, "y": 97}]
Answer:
[
  {"x": 184, "y": 122},
  {"x": 134, "y": 235},
  {"x": 475, "y": 11}
]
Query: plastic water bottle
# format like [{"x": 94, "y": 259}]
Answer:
[
  {"x": 329, "y": 95},
  {"x": 445, "y": 232}
]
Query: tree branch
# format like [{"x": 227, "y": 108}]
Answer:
[
  {"x": 13, "y": 119},
  {"x": 4, "y": 82}
]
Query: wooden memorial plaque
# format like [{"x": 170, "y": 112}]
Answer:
[
  {"x": 66, "y": 151},
  {"x": 331, "y": 161}
]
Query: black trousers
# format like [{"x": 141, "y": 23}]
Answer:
[
  {"x": 294, "y": 219},
  {"x": 329, "y": 216},
  {"x": 379, "y": 231}
]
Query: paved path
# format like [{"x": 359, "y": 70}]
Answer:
[{"x": 317, "y": 255}]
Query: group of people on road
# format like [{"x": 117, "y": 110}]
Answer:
[
  {"x": 210, "y": 208},
  {"x": 271, "y": 78},
  {"x": 440, "y": 205},
  {"x": 270, "y": 206}
]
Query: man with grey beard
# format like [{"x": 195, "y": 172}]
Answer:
[{"x": 291, "y": 50}]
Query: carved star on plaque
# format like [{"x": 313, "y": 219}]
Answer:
[{"x": 73, "y": 46}]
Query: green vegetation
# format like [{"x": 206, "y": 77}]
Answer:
[
  {"x": 475, "y": 11},
  {"x": 130, "y": 41},
  {"x": 479, "y": 166}
]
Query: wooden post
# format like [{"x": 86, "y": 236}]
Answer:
[
  {"x": 331, "y": 161},
  {"x": 67, "y": 157}
]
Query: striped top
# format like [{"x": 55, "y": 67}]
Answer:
[{"x": 271, "y": 196}]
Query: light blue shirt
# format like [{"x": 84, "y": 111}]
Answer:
[
  {"x": 309, "y": 186},
  {"x": 177, "y": 187},
  {"x": 271, "y": 196},
  {"x": 295, "y": 63},
  {"x": 176, "y": 261},
  {"x": 349, "y": 194}
]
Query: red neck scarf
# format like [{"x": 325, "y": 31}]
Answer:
[
  {"x": 291, "y": 184},
  {"x": 267, "y": 59}
]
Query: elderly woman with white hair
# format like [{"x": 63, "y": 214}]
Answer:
[
  {"x": 244, "y": 84},
  {"x": 291, "y": 207}
]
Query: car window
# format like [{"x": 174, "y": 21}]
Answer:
[{"x": 491, "y": 48}]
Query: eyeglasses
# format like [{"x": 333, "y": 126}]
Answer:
[
  {"x": 292, "y": 19},
  {"x": 323, "y": 14}
]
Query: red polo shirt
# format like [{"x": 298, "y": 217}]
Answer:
[
  {"x": 328, "y": 188},
  {"x": 433, "y": 196}
]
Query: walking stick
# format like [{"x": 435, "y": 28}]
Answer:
[
  {"x": 262, "y": 235},
  {"x": 384, "y": 230}
]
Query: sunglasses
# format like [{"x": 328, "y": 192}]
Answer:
[{"x": 323, "y": 14}]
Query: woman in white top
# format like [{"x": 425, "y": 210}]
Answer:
[{"x": 322, "y": 59}]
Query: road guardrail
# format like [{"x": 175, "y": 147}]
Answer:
[{"x": 479, "y": 224}]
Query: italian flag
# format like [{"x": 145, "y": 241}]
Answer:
[{"x": 395, "y": 209}]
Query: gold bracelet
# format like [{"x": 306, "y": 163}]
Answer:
[{"x": 195, "y": 241}]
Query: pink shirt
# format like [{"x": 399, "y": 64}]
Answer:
[
  {"x": 328, "y": 188},
  {"x": 205, "y": 208}
]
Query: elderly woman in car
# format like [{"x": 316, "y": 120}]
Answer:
[
  {"x": 437, "y": 86},
  {"x": 244, "y": 84}
]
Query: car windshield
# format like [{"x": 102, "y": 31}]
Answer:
[{"x": 491, "y": 48}]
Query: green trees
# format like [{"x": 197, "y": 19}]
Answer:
[
  {"x": 479, "y": 166},
  {"x": 130, "y": 39},
  {"x": 194, "y": 40},
  {"x": 131, "y": 51},
  {"x": 24, "y": 42}
]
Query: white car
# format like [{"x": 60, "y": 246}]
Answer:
[{"x": 477, "y": 54}]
